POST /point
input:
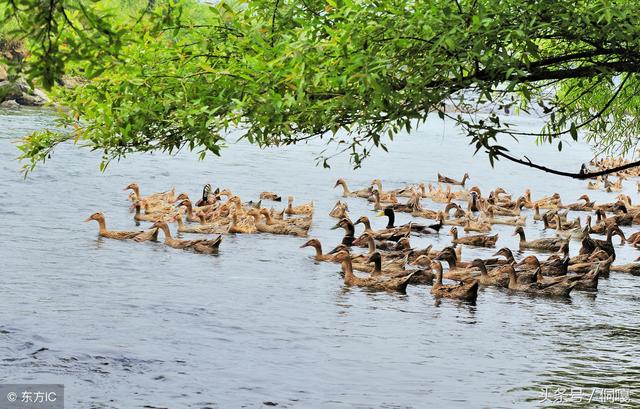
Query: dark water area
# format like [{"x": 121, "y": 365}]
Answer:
[{"x": 124, "y": 325}]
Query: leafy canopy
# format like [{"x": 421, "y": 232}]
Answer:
[{"x": 166, "y": 75}]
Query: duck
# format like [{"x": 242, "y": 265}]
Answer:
[
  {"x": 458, "y": 270},
  {"x": 201, "y": 228},
  {"x": 246, "y": 225},
  {"x": 394, "y": 269},
  {"x": 451, "y": 181},
  {"x": 505, "y": 220},
  {"x": 590, "y": 245},
  {"x": 557, "y": 289},
  {"x": 399, "y": 207},
  {"x": 484, "y": 279},
  {"x": 458, "y": 213},
  {"x": 545, "y": 244},
  {"x": 363, "y": 193},
  {"x": 612, "y": 186},
  {"x": 478, "y": 240},
  {"x": 479, "y": 225},
  {"x": 467, "y": 291},
  {"x": 315, "y": 243},
  {"x": 143, "y": 217},
  {"x": 349, "y": 231},
  {"x": 392, "y": 234},
  {"x": 473, "y": 205},
  {"x": 208, "y": 197},
  {"x": 587, "y": 206},
  {"x": 389, "y": 197},
  {"x": 157, "y": 207},
  {"x": 536, "y": 215},
  {"x": 381, "y": 282},
  {"x": 576, "y": 233},
  {"x": 270, "y": 196},
  {"x": 168, "y": 196},
  {"x": 504, "y": 211},
  {"x": 340, "y": 210},
  {"x": 200, "y": 246},
  {"x": 629, "y": 268},
  {"x": 418, "y": 228},
  {"x": 588, "y": 281},
  {"x": 367, "y": 240},
  {"x": 275, "y": 228},
  {"x": 142, "y": 235},
  {"x": 451, "y": 222},
  {"x": 593, "y": 185},
  {"x": 306, "y": 208},
  {"x": 301, "y": 223},
  {"x": 507, "y": 254},
  {"x": 190, "y": 214}
]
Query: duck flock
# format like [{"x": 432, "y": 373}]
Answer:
[{"x": 384, "y": 259}]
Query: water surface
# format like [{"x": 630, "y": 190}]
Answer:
[{"x": 124, "y": 325}]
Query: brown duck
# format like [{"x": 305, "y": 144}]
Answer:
[{"x": 467, "y": 291}]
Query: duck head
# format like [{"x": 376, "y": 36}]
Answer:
[
  {"x": 132, "y": 186},
  {"x": 96, "y": 216},
  {"x": 504, "y": 252},
  {"x": 311, "y": 243},
  {"x": 374, "y": 257}
]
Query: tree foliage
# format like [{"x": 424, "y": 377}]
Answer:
[{"x": 181, "y": 74}]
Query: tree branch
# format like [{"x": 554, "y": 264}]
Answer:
[{"x": 580, "y": 175}]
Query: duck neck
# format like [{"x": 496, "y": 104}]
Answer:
[
  {"x": 464, "y": 179},
  {"x": 513, "y": 280},
  {"x": 483, "y": 269},
  {"x": 372, "y": 245},
  {"x": 452, "y": 262},
  {"x": 180, "y": 221},
  {"x": 345, "y": 188},
  {"x": 102, "y": 225},
  {"x": 189, "y": 208},
  {"x": 522, "y": 236},
  {"x": 349, "y": 230},
  {"x": 454, "y": 232},
  {"x": 610, "y": 235},
  {"x": 167, "y": 232},
  {"x": 558, "y": 223},
  {"x": 438, "y": 275},
  {"x": 367, "y": 226},
  {"x": 267, "y": 215},
  {"x": 136, "y": 190},
  {"x": 377, "y": 267},
  {"x": 392, "y": 220},
  {"x": 347, "y": 267},
  {"x": 318, "y": 248}
]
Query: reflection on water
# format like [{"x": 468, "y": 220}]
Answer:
[{"x": 123, "y": 324}]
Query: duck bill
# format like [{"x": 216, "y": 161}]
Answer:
[
  {"x": 337, "y": 226},
  {"x": 88, "y": 219},
  {"x": 380, "y": 214},
  {"x": 304, "y": 245}
]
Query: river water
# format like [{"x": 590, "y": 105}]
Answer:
[{"x": 127, "y": 325}]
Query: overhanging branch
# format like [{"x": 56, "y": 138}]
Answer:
[{"x": 580, "y": 175}]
